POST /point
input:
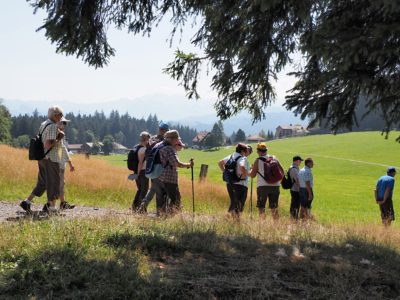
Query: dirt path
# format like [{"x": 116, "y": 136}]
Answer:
[{"x": 11, "y": 211}]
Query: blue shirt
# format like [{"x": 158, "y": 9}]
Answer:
[
  {"x": 305, "y": 175},
  {"x": 384, "y": 182}
]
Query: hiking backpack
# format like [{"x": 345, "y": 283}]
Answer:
[
  {"x": 272, "y": 171},
  {"x": 133, "y": 158},
  {"x": 229, "y": 175},
  {"x": 154, "y": 166},
  {"x": 36, "y": 147},
  {"x": 287, "y": 181}
]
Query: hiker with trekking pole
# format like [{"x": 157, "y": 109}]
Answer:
[{"x": 164, "y": 159}]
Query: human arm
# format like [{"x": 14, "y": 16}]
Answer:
[
  {"x": 388, "y": 191},
  {"x": 254, "y": 169},
  {"x": 221, "y": 164},
  {"x": 186, "y": 165},
  {"x": 141, "y": 155},
  {"x": 71, "y": 166},
  {"x": 309, "y": 190}
]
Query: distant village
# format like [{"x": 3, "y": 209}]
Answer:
[{"x": 200, "y": 141}]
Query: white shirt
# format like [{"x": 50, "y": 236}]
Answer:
[
  {"x": 260, "y": 180},
  {"x": 242, "y": 161}
]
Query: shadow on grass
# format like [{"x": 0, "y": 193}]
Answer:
[
  {"x": 207, "y": 265},
  {"x": 203, "y": 265}
]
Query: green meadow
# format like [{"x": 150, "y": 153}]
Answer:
[
  {"x": 346, "y": 169},
  {"x": 346, "y": 254}
]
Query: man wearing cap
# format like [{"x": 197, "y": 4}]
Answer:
[
  {"x": 265, "y": 191},
  {"x": 306, "y": 183},
  {"x": 49, "y": 167},
  {"x": 295, "y": 189},
  {"x": 166, "y": 185},
  {"x": 384, "y": 194}
]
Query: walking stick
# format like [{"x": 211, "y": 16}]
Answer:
[
  {"x": 251, "y": 198},
  {"x": 191, "y": 167}
]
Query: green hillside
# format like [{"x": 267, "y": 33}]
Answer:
[{"x": 345, "y": 172}]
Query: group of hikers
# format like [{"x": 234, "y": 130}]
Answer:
[
  {"x": 155, "y": 160},
  {"x": 270, "y": 175}
]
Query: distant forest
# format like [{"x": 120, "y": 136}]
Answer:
[{"x": 90, "y": 128}]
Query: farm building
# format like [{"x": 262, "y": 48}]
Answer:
[
  {"x": 199, "y": 139},
  {"x": 255, "y": 139},
  {"x": 290, "y": 130}
]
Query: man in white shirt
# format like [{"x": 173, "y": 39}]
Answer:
[{"x": 265, "y": 190}]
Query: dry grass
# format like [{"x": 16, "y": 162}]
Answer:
[{"x": 96, "y": 182}]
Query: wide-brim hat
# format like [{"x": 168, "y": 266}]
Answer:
[{"x": 172, "y": 134}]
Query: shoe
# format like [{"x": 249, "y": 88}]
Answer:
[
  {"x": 142, "y": 209},
  {"x": 26, "y": 207},
  {"x": 66, "y": 205},
  {"x": 48, "y": 209}
]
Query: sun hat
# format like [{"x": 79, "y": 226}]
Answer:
[
  {"x": 54, "y": 110},
  {"x": 172, "y": 134},
  {"x": 262, "y": 147}
]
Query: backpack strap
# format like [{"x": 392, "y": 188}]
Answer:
[
  {"x": 40, "y": 136},
  {"x": 263, "y": 159}
]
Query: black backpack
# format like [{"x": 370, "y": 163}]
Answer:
[
  {"x": 133, "y": 158},
  {"x": 229, "y": 175},
  {"x": 287, "y": 181},
  {"x": 36, "y": 147}
]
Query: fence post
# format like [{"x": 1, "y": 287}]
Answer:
[{"x": 203, "y": 172}]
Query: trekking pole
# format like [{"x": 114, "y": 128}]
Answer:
[
  {"x": 191, "y": 167},
  {"x": 251, "y": 198}
]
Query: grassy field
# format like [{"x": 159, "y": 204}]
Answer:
[
  {"x": 347, "y": 167},
  {"x": 177, "y": 258},
  {"x": 346, "y": 254}
]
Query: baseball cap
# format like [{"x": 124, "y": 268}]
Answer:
[
  {"x": 262, "y": 147},
  {"x": 296, "y": 157},
  {"x": 391, "y": 170},
  {"x": 163, "y": 125}
]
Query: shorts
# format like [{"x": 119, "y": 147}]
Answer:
[
  {"x": 387, "y": 211},
  {"x": 268, "y": 192},
  {"x": 304, "y": 202}
]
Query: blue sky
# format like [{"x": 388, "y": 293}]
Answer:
[{"x": 30, "y": 70}]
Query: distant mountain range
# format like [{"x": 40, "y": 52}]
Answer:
[{"x": 195, "y": 114}]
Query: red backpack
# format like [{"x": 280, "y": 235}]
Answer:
[{"x": 272, "y": 170}]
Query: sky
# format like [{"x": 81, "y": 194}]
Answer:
[{"x": 30, "y": 70}]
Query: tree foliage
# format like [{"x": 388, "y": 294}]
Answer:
[
  {"x": 5, "y": 124},
  {"x": 240, "y": 136},
  {"x": 94, "y": 127},
  {"x": 108, "y": 144},
  {"x": 350, "y": 48}
]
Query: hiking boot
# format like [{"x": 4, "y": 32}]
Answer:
[
  {"x": 142, "y": 209},
  {"x": 26, "y": 206},
  {"x": 66, "y": 205},
  {"x": 48, "y": 209}
]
